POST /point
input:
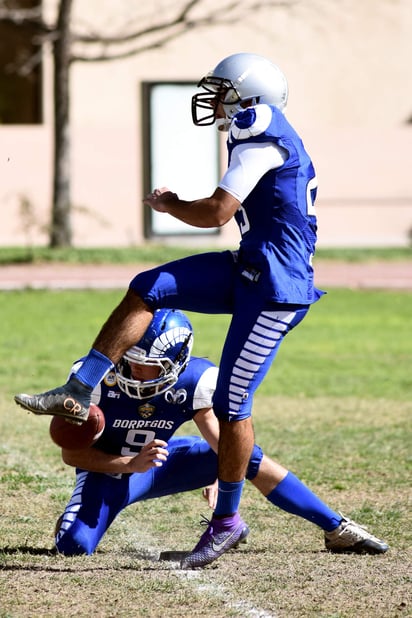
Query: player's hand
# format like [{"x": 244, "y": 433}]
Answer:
[
  {"x": 152, "y": 455},
  {"x": 210, "y": 494},
  {"x": 159, "y": 199}
]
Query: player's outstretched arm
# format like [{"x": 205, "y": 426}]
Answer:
[
  {"x": 208, "y": 426},
  {"x": 213, "y": 211}
]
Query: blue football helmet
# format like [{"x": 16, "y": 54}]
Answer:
[{"x": 167, "y": 344}]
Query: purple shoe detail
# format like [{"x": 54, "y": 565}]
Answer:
[{"x": 220, "y": 536}]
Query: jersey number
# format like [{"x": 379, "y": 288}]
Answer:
[
  {"x": 137, "y": 438},
  {"x": 242, "y": 220},
  {"x": 310, "y": 196},
  {"x": 311, "y": 188}
]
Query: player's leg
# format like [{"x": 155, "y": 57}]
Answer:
[
  {"x": 125, "y": 326},
  {"x": 98, "y": 498},
  {"x": 95, "y": 502},
  {"x": 183, "y": 284},
  {"x": 191, "y": 464},
  {"x": 251, "y": 345},
  {"x": 236, "y": 439},
  {"x": 286, "y": 491}
]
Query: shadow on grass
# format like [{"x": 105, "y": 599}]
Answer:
[
  {"x": 164, "y": 560},
  {"x": 25, "y": 549}
]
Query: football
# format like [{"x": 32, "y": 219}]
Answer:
[{"x": 70, "y": 436}]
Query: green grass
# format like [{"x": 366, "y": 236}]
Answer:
[
  {"x": 352, "y": 343},
  {"x": 335, "y": 409},
  {"x": 159, "y": 253},
  {"x": 151, "y": 253}
]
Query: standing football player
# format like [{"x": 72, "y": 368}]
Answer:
[
  {"x": 267, "y": 285},
  {"x": 155, "y": 388}
]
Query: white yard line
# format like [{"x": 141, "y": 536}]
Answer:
[{"x": 196, "y": 578}]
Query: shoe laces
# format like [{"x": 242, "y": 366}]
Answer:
[
  {"x": 354, "y": 530},
  {"x": 204, "y": 521}
]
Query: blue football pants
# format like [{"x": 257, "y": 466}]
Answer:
[
  {"x": 212, "y": 283},
  {"x": 98, "y": 498}
]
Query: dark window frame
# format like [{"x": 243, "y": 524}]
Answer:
[
  {"x": 21, "y": 96},
  {"x": 149, "y": 232}
]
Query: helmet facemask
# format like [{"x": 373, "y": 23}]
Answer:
[
  {"x": 143, "y": 389},
  {"x": 218, "y": 90}
]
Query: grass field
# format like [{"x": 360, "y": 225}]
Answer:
[
  {"x": 159, "y": 253},
  {"x": 335, "y": 409}
]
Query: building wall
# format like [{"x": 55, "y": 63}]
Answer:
[{"x": 349, "y": 72}]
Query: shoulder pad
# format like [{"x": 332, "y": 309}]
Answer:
[{"x": 251, "y": 122}]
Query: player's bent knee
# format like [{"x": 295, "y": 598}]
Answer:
[
  {"x": 75, "y": 543},
  {"x": 254, "y": 462}
]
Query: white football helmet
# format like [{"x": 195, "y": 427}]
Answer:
[
  {"x": 167, "y": 344},
  {"x": 238, "y": 78}
]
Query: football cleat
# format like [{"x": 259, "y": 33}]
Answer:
[
  {"x": 57, "y": 402},
  {"x": 350, "y": 537},
  {"x": 220, "y": 536}
]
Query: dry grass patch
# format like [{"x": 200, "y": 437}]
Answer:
[{"x": 353, "y": 453}]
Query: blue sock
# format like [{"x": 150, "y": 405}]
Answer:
[
  {"x": 228, "y": 498},
  {"x": 292, "y": 496},
  {"x": 94, "y": 368}
]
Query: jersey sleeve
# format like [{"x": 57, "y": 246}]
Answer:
[
  {"x": 248, "y": 163},
  {"x": 205, "y": 388}
]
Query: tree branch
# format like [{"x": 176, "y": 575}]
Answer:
[
  {"x": 18, "y": 16},
  {"x": 231, "y": 13},
  {"x": 183, "y": 18},
  {"x": 25, "y": 17}
]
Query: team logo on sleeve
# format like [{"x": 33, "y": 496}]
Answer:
[
  {"x": 251, "y": 122},
  {"x": 110, "y": 379},
  {"x": 146, "y": 410},
  {"x": 176, "y": 396}
]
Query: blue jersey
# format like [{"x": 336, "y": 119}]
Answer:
[
  {"x": 132, "y": 423},
  {"x": 99, "y": 497},
  {"x": 268, "y": 284},
  {"x": 277, "y": 220}
]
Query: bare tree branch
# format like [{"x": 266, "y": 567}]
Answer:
[
  {"x": 25, "y": 17},
  {"x": 26, "y": 67},
  {"x": 18, "y": 16},
  {"x": 167, "y": 30},
  {"x": 231, "y": 13},
  {"x": 70, "y": 43},
  {"x": 184, "y": 19}
]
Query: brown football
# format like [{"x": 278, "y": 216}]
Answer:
[{"x": 67, "y": 435}]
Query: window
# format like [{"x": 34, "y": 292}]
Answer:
[
  {"x": 176, "y": 153},
  {"x": 20, "y": 91}
]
